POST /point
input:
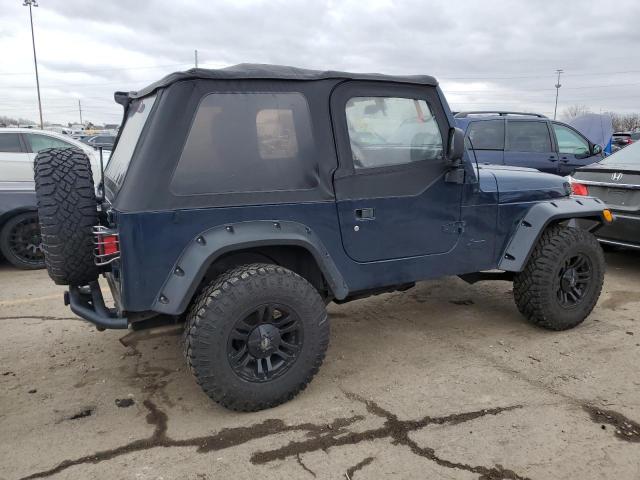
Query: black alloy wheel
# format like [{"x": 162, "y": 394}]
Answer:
[
  {"x": 266, "y": 343},
  {"x": 21, "y": 242},
  {"x": 573, "y": 280}
]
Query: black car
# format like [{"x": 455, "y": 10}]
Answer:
[
  {"x": 104, "y": 141},
  {"x": 243, "y": 200},
  {"x": 616, "y": 181}
]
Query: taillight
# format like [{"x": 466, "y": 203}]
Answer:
[
  {"x": 579, "y": 189},
  {"x": 107, "y": 245}
]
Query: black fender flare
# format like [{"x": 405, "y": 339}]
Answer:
[
  {"x": 192, "y": 265},
  {"x": 524, "y": 238}
]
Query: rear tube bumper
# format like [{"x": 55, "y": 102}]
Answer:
[{"x": 90, "y": 306}]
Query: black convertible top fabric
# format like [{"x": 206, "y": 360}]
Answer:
[{"x": 272, "y": 72}]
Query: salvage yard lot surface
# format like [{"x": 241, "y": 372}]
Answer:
[{"x": 444, "y": 381}]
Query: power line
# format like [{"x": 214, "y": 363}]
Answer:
[{"x": 98, "y": 70}]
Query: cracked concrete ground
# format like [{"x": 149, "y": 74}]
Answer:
[{"x": 444, "y": 381}]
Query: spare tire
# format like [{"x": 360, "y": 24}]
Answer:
[{"x": 67, "y": 210}]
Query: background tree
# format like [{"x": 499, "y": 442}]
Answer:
[{"x": 574, "y": 111}]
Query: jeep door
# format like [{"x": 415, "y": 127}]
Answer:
[
  {"x": 529, "y": 144},
  {"x": 392, "y": 198},
  {"x": 574, "y": 150}
]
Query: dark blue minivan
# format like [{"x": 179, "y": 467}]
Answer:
[{"x": 526, "y": 140}]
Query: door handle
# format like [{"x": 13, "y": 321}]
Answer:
[
  {"x": 365, "y": 213},
  {"x": 552, "y": 158}
]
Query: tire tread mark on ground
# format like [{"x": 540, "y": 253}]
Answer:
[{"x": 398, "y": 431}]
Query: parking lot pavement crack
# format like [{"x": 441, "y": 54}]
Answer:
[
  {"x": 37, "y": 317},
  {"x": 225, "y": 438},
  {"x": 625, "y": 429},
  {"x": 358, "y": 466},
  {"x": 398, "y": 432},
  {"x": 304, "y": 467}
]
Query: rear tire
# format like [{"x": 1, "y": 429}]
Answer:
[
  {"x": 256, "y": 336},
  {"x": 562, "y": 281},
  {"x": 21, "y": 242},
  {"x": 67, "y": 209}
]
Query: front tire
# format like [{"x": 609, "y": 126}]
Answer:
[
  {"x": 256, "y": 336},
  {"x": 563, "y": 278}
]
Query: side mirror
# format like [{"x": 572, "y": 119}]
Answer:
[
  {"x": 455, "y": 149},
  {"x": 596, "y": 149}
]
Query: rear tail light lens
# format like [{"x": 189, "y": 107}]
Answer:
[
  {"x": 579, "y": 189},
  {"x": 107, "y": 245}
]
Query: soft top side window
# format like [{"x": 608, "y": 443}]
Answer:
[
  {"x": 248, "y": 142},
  {"x": 386, "y": 131}
]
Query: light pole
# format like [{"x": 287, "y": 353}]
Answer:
[
  {"x": 34, "y": 3},
  {"x": 558, "y": 85}
]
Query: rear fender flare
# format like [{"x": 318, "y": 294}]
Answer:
[
  {"x": 526, "y": 235},
  {"x": 206, "y": 247}
]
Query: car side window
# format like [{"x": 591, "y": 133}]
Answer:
[
  {"x": 385, "y": 131},
  {"x": 486, "y": 135},
  {"x": 10, "y": 143},
  {"x": 40, "y": 142},
  {"x": 569, "y": 141},
  {"x": 525, "y": 136}
]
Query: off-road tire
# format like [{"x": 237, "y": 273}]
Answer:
[
  {"x": 212, "y": 317},
  {"x": 535, "y": 288},
  {"x": 8, "y": 249},
  {"x": 67, "y": 210}
]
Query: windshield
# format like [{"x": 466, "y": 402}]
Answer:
[
  {"x": 628, "y": 156},
  {"x": 137, "y": 115}
]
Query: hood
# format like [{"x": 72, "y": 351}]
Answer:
[{"x": 517, "y": 184}]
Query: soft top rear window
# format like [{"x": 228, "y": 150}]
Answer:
[{"x": 137, "y": 115}]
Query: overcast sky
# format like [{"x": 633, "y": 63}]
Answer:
[{"x": 487, "y": 54}]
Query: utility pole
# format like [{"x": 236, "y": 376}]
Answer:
[
  {"x": 34, "y": 3},
  {"x": 196, "y": 57},
  {"x": 558, "y": 85},
  {"x": 80, "y": 110}
]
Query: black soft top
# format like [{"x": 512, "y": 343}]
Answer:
[{"x": 258, "y": 71}]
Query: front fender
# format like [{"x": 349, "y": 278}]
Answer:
[
  {"x": 206, "y": 247},
  {"x": 539, "y": 216}
]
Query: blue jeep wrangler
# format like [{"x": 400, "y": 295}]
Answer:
[
  {"x": 243, "y": 200},
  {"x": 527, "y": 140}
]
